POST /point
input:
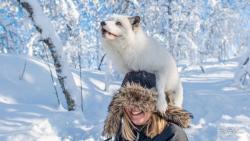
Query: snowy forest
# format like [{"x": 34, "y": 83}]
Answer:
[{"x": 53, "y": 78}]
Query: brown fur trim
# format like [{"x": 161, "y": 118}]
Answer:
[
  {"x": 143, "y": 98},
  {"x": 178, "y": 116}
]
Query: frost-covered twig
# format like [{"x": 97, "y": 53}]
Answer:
[
  {"x": 246, "y": 61},
  {"x": 51, "y": 76},
  {"x": 100, "y": 64},
  {"x": 80, "y": 73},
  {"x": 243, "y": 74},
  {"x": 24, "y": 69}
]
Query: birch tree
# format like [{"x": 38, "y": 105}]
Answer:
[{"x": 51, "y": 39}]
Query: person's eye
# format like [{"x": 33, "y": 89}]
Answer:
[{"x": 118, "y": 23}]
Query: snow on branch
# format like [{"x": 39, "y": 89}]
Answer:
[{"x": 53, "y": 42}]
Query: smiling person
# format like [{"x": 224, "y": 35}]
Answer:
[{"x": 132, "y": 114}]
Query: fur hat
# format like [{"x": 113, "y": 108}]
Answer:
[{"x": 133, "y": 94}]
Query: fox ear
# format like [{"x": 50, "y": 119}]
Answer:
[{"x": 135, "y": 21}]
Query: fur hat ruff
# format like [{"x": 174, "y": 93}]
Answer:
[
  {"x": 143, "y": 98},
  {"x": 130, "y": 95}
]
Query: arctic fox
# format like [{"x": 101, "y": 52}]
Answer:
[{"x": 130, "y": 49}]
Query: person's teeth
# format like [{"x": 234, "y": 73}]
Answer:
[{"x": 136, "y": 113}]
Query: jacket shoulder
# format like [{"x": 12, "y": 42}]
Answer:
[{"x": 172, "y": 133}]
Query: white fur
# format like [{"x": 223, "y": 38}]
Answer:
[{"x": 133, "y": 50}]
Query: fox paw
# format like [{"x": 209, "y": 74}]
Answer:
[{"x": 161, "y": 105}]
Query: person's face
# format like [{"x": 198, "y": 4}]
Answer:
[{"x": 137, "y": 116}]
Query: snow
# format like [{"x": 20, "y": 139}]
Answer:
[
  {"x": 48, "y": 31},
  {"x": 29, "y": 109},
  {"x": 217, "y": 105},
  {"x": 213, "y": 2},
  {"x": 30, "y": 44},
  {"x": 69, "y": 8},
  {"x": 135, "y": 2}
]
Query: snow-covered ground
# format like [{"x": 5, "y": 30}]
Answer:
[
  {"x": 29, "y": 109},
  {"x": 221, "y": 110}
]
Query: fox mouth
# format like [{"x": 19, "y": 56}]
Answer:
[{"x": 104, "y": 31}]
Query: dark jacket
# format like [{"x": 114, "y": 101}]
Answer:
[{"x": 172, "y": 132}]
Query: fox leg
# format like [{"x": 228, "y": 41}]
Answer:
[{"x": 161, "y": 104}]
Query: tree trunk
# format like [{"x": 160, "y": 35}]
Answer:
[
  {"x": 55, "y": 55},
  {"x": 58, "y": 67},
  {"x": 170, "y": 28}
]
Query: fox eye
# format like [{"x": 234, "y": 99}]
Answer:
[{"x": 118, "y": 23}]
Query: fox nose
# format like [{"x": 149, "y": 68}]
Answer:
[{"x": 103, "y": 23}]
